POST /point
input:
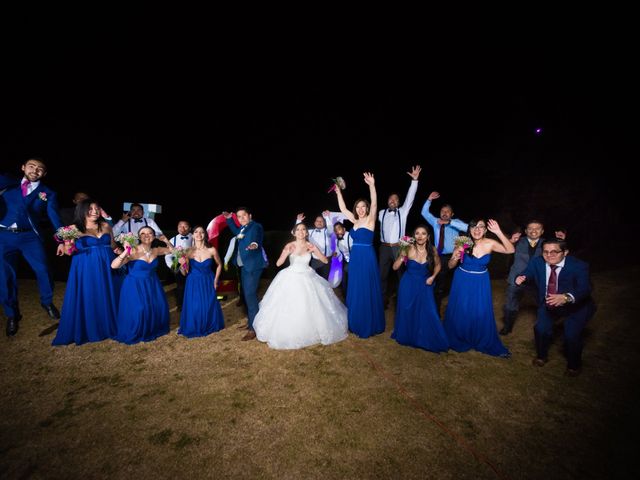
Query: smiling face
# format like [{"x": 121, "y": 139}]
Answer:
[
  {"x": 34, "y": 170},
  {"x": 393, "y": 201},
  {"x": 319, "y": 222},
  {"x": 553, "y": 253},
  {"x": 300, "y": 231},
  {"x": 362, "y": 209},
  {"x": 446, "y": 213},
  {"x": 93, "y": 213},
  {"x": 199, "y": 234},
  {"x": 137, "y": 212},
  {"x": 146, "y": 235},
  {"x": 478, "y": 230},
  {"x": 533, "y": 231}
]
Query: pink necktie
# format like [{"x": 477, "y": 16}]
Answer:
[{"x": 25, "y": 187}]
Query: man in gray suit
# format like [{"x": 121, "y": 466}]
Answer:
[{"x": 527, "y": 247}]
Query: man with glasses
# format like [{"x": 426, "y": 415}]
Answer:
[
  {"x": 564, "y": 291},
  {"x": 527, "y": 247}
]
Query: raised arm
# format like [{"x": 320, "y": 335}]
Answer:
[
  {"x": 505, "y": 246},
  {"x": 425, "y": 209},
  {"x": 413, "y": 187},
  {"x": 373, "y": 212},
  {"x": 343, "y": 208}
]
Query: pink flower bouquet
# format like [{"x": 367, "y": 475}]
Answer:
[
  {"x": 338, "y": 182},
  {"x": 128, "y": 241},
  {"x": 465, "y": 242},
  {"x": 180, "y": 260},
  {"x": 405, "y": 242},
  {"x": 68, "y": 236}
]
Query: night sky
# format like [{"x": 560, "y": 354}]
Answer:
[{"x": 108, "y": 102}]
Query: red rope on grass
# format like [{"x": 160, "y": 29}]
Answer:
[{"x": 425, "y": 413}]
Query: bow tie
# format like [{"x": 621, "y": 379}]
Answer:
[
  {"x": 392, "y": 210},
  {"x": 137, "y": 220},
  {"x": 318, "y": 230},
  {"x": 184, "y": 238}
]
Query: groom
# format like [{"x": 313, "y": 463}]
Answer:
[
  {"x": 248, "y": 255},
  {"x": 27, "y": 203}
]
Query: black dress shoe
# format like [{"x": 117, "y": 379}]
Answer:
[
  {"x": 12, "y": 325},
  {"x": 52, "y": 311}
]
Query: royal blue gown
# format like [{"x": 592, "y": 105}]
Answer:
[
  {"x": 201, "y": 311},
  {"x": 469, "y": 320},
  {"x": 417, "y": 321},
  {"x": 364, "y": 295},
  {"x": 91, "y": 297},
  {"x": 143, "y": 311}
]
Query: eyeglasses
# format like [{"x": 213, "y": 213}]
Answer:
[{"x": 552, "y": 252}]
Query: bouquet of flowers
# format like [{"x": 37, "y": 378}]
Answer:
[
  {"x": 128, "y": 241},
  {"x": 338, "y": 182},
  {"x": 177, "y": 263},
  {"x": 465, "y": 242},
  {"x": 68, "y": 236},
  {"x": 405, "y": 242}
]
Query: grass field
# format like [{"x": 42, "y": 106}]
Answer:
[{"x": 217, "y": 407}]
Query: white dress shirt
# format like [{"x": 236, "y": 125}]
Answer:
[
  {"x": 344, "y": 246},
  {"x": 393, "y": 224},
  {"x": 132, "y": 226},
  {"x": 178, "y": 242}
]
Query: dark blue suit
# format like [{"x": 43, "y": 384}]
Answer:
[
  {"x": 28, "y": 213},
  {"x": 252, "y": 263},
  {"x": 574, "y": 279}
]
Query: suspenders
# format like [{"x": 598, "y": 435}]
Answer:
[{"x": 382, "y": 225}]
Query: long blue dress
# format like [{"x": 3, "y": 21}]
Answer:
[
  {"x": 417, "y": 321},
  {"x": 143, "y": 311},
  {"x": 469, "y": 320},
  {"x": 364, "y": 295},
  {"x": 201, "y": 312},
  {"x": 91, "y": 297}
]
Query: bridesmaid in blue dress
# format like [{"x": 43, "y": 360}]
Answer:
[
  {"x": 364, "y": 296},
  {"x": 143, "y": 311},
  {"x": 201, "y": 312},
  {"x": 91, "y": 297},
  {"x": 469, "y": 320},
  {"x": 417, "y": 321}
]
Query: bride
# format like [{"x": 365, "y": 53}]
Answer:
[{"x": 299, "y": 308}]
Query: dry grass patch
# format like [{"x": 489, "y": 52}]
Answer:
[{"x": 217, "y": 407}]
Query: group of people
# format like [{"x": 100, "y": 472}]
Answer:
[{"x": 300, "y": 307}]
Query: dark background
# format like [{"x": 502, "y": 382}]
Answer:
[{"x": 266, "y": 118}]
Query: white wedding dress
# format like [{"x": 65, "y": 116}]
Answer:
[{"x": 300, "y": 309}]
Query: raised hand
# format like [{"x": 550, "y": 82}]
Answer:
[
  {"x": 433, "y": 195},
  {"x": 493, "y": 226},
  {"x": 368, "y": 178},
  {"x": 300, "y": 217},
  {"x": 415, "y": 172}
]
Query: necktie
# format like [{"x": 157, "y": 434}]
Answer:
[
  {"x": 25, "y": 187},
  {"x": 137, "y": 220},
  {"x": 552, "y": 286},
  {"x": 441, "y": 239},
  {"x": 184, "y": 238}
]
